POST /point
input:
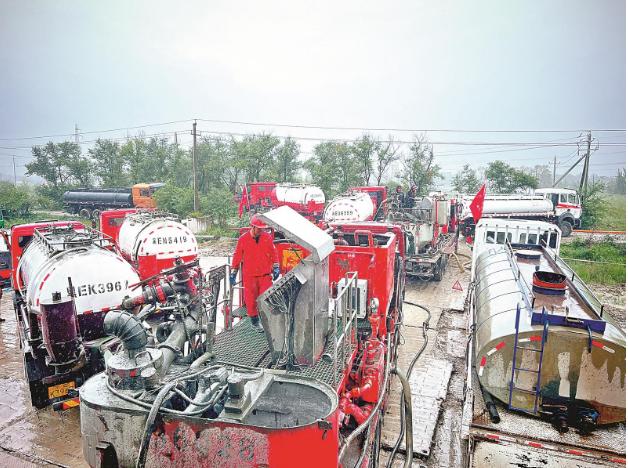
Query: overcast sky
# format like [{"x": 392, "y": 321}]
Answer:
[{"x": 464, "y": 65}]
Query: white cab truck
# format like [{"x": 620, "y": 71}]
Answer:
[
  {"x": 499, "y": 436},
  {"x": 561, "y": 207}
]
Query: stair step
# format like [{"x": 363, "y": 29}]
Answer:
[
  {"x": 523, "y": 390},
  {"x": 530, "y": 349},
  {"x": 536, "y": 371}
]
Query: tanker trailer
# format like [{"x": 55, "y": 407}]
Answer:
[
  {"x": 88, "y": 203},
  {"x": 350, "y": 207},
  {"x": 542, "y": 345},
  {"x": 307, "y": 200},
  {"x": 66, "y": 280},
  {"x": 151, "y": 241},
  {"x": 532, "y": 207}
]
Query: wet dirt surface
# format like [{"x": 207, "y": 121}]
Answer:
[{"x": 30, "y": 437}]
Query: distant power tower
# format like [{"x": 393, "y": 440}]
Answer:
[{"x": 586, "y": 156}]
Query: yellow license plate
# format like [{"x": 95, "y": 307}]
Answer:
[{"x": 60, "y": 390}]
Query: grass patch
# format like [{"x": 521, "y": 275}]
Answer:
[
  {"x": 613, "y": 271},
  {"x": 613, "y": 216},
  {"x": 220, "y": 231}
]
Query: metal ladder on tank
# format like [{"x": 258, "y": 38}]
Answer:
[{"x": 537, "y": 389}]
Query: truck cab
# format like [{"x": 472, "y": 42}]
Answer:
[
  {"x": 566, "y": 202},
  {"x": 143, "y": 194}
]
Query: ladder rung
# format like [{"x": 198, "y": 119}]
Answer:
[
  {"x": 523, "y": 410},
  {"x": 531, "y": 392},
  {"x": 536, "y": 371},
  {"x": 530, "y": 349}
]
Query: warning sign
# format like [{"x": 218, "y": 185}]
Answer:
[{"x": 457, "y": 286}]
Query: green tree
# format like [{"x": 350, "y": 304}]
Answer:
[
  {"x": 385, "y": 155},
  {"x": 333, "y": 167},
  {"x": 257, "y": 154},
  {"x": 620, "y": 182},
  {"x": 593, "y": 204},
  {"x": 15, "y": 200},
  {"x": 466, "y": 180},
  {"x": 364, "y": 150},
  {"x": 108, "y": 163},
  {"x": 419, "y": 166},
  {"x": 503, "y": 178},
  {"x": 135, "y": 158},
  {"x": 287, "y": 161},
  {"x": 219, "y": 206}
]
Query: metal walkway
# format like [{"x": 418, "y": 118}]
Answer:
[{"x": 245, "y": 346}]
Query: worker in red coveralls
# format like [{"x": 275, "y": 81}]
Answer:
[{"x": 257, "y": 255}]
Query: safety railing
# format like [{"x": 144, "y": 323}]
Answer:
[
  {"x": 344, "y": 321},
  {"x": 584, "y": 291}
]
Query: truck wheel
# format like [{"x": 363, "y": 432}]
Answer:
[
  {"x": 438, "y": 270},
  {"x": 84, "y": 213},
  {"x": 96, "y": 215},
  {"x": 565, "y": 228}
]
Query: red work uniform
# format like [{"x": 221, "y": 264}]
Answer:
[{"x": 257, "y": 257}]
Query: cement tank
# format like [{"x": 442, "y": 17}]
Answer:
[
  {"x": 100, "y": 277},
  {"x": 152, "y": 241},
  {"x": 298, "y": 194},
  {"x": 349, "y": 207},
  {"x": 548, "y": 352}
]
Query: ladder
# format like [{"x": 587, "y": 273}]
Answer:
[{"x": 513, "y": 389}]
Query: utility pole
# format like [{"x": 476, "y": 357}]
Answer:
[
  {"x": 14, "y": 173},
  {"x": 76, "y": 134},
  {"x": 194, "y": 181},
  {"x": 584, "y": 180},
  {"x": 554, "y": 173}
]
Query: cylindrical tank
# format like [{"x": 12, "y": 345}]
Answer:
[
  {"x": 113, "y": 198},
  {"x": 571, "y": 365},
  {"x": 152, "y": 241},
  {"x": 60, "y": 329},
  {"x": 354, "y": 206},
  {"x": 299, "y": 194},
  {"x": 100, "y": 277},
  {"x": 505, "y": 205}
]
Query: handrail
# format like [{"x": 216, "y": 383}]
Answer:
[{"x": 345, "y": 303}]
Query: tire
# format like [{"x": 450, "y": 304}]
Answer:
[
  {"x": 84, "y": 213},
  {"x": 96, "y": 214},
  {"x": 438, "y": 269},
  {"x": 565, "y": 228}
]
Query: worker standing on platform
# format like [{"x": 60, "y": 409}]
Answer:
[{"x": 257, "y": 255}]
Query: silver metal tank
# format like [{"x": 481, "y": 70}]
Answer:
[{"x": 570, "y": 364}]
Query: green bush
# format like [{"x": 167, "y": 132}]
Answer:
[
  {"x": 15, "y": 201},
  {"x": 612, "y": 258}
]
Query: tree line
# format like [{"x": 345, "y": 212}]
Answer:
[{"x": 224, "y": 164}]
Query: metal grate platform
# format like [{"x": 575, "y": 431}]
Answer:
[
  {"x": 241, "y": 345},
  {"x": 245, "y": 346}
]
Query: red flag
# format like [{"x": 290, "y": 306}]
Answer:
[
  {"x": 477, "y": 204},
  {"x": 243, "y": 201}
]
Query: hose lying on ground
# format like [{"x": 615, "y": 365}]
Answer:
[{"x": 402, "y": 415}]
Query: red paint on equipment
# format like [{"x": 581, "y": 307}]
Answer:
[{"x": 500, "y": 345}]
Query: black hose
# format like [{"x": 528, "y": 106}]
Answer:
[
  {"x": 127, "y": 328},
  {"x": 402, "y": 413},
  {"x": 150, "y": 423}
]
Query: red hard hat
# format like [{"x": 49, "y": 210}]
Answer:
[{"x": 257, "y": 222}]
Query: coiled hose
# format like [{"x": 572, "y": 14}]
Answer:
[{"x": 402, "y": 413}]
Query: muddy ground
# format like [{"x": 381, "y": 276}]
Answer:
[{"x": 30, "y": 437}]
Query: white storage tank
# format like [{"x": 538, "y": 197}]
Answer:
[
  {"x": 100, "y": 277},
  {"x": 350, "y": 207},
  {"x": 299, "y": 194},
  {"x": 154, "y": 234}
]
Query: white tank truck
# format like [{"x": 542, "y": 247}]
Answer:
[
  {"x": 542, "y": 353},
  {"x": 66, "y": 281},
  {"x": 350, "y": 207},
  {"x": 558, "y": 206}
]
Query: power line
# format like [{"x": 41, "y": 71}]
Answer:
[
  {"x": 391, "y": 129},
  {"x": 452, "y": 143},
  {"x": 96, "y": 131}
]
